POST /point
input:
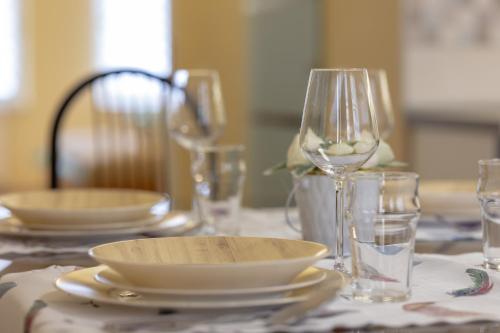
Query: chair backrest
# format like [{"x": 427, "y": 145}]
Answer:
[{"x": 126, "y": 127}]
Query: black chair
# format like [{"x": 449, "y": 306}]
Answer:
[{"x": 127, "y": 129}]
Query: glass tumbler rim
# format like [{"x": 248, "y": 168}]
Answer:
[
  {"x": 492, "y": 161},
  {"x": 387, "y": 175}
]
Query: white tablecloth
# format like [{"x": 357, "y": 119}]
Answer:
[
  {"x": 254, "y": 222},
  {"x": 30, "y": 303}
]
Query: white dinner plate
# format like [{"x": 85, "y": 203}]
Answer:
[
  {"x": 81, "y": 284},
  {"x": 172, "y": 225},
  {"x": 82, "y": 206},
  {"x": 307, "y": 278}
]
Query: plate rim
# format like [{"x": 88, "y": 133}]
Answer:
[
  {"x": 323, "y": 253},
  {"x": 159, "y": 227},
  {"x": 150, "y": 220},
  {"x": 60, "y": 282},
  {"x": 161, "y": 197},
  {"x": 213, "y": 292}
]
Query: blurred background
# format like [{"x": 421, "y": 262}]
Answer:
[{"x": 442, "y": 58}]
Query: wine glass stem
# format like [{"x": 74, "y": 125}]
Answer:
[{"x": 339, "y": 223}]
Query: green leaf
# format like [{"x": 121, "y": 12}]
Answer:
[
  {"x": 302, "y": 170},
  {"x": 275, "y": 168},
  {"x": 326, "y": 145}
]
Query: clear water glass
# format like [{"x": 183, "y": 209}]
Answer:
[
  {"x": 488, "y": 192},
  {"x": 218, "y": 173},
  {"x": 382, "y": 214}
]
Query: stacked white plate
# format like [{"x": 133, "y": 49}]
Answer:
[
  {"x": 201, "y": 273},
  {"x": 85, "y": 212}
]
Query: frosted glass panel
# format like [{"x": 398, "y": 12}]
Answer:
[
  {"x": 133, "y": 33},
  {"x": 9, "y": 49}
]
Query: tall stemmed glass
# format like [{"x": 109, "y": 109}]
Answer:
[
  {"x": 339, "y": 131},
  {"x": 382, "y": 103},
  {"x": 196, "y": 113},
  {"x": 196, "y": 119}
]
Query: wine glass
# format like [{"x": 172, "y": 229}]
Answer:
[
  {"x": 339, "y": 131},
  {"x": 196, "y": 114},
  {"x": 382, "y": 102}
]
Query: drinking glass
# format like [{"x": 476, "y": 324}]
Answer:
[
  {"x": 339, "y": 131},
  {"x": 382, "y": 102},
  {"x": 382, "y": 214},
  {"x": 218, "y": 173},
  {"x": 488, "y": 192},
  {"x": 196, "y": 112}
]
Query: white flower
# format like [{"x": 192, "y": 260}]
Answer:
[
  {"x": 299, "y": 165},
  {"x": 383, "y": 156},
  {"x": 295, "y": 157},
  {"x": 362, "y": 147},
  {"x": 367, "y": 137},
  {"x": 312, "y": 141},
  {"x": 385, "y": 153},
  {"x": 365, "y": 143},
  {"x": 339, "y": 149},
  {"x": 372, "y": 161}
]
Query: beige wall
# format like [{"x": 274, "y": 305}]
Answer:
[
  {"x": 360, "y": 33},
  {"x": 50, "y": 67},
  {"x": 208, "y": 35}
]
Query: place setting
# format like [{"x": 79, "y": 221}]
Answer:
[
  {"x": 89, "y": 213},
  {"x": 202, "y": 272}
]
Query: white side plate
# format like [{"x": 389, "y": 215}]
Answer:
[
  {"x": 81, "y": 284},
  {"x": 309, "y": 277},
  {"x": 153, "y": 219},
  {"x": 172, "y": 225}
]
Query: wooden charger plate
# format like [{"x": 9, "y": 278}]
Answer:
[
  {"x": 82, "y": 206},
  {"x": 209, "y": 262}
]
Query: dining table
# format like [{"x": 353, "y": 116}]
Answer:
[{"x": 29, "y": 301}]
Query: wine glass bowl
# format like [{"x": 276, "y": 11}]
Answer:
[
  {"x": 339, "y": 156},
  {"x": 339, "y": 131},
  {"x": 196, "y": 114}
]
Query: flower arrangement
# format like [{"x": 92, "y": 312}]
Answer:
[{"x": 299, "y": 165}]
